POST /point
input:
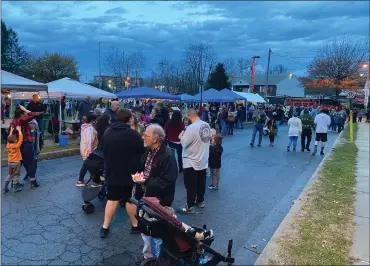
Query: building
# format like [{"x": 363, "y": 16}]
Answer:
[
  {"x": 279, "y": 85},
  {"x": 117, "y": 83}
]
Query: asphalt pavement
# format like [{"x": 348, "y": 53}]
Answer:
[{"x": 258, "y": 185}]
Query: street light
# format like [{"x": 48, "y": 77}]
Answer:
[{"x": 364, "y": 66}]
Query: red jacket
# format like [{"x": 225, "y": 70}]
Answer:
[{"x": 25, "y": 127}]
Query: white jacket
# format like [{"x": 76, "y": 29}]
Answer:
[
  {"x": 295, "y": 126},
  {"x": 88, "y": 140}
]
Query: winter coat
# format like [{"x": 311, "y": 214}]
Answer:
[
  {"x": 295, "y": 126},
  {"x": 215, "y": 153}
]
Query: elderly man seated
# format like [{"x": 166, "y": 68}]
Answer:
[{"x": 159, "y": 168}]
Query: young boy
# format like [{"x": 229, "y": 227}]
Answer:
[
  {"x": 14, "y": 160},
  {"x": 215, "y": 153}
]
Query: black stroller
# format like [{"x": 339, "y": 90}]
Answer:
[
  {"x": 95, "y": 165},
  {"x": 178, "y": 247}
]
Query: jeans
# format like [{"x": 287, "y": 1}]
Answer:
[
  {"x": 230, "y": 128},
  {"x": 28, "y": 158},
  {"x": 178, "y": 149},
  {"x": 195, "y": 184},
  {"x": 272, "y": 139},
  {"x": 223, "y": 127},
  {"x": 258, "y": 128},
  {"x": 293, "y": 139},
  {"x": 239, "y": 124},
  {"x": 305, "y": 135},
  {"x": 340, "y": 127},
  {"x": 40, "y": 122},
  {"x": 334, "y": 127}
]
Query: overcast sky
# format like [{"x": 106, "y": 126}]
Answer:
[{"x": 293, "y": 30}]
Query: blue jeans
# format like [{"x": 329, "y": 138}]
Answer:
[
  {"x": 258, "y": 128},
  {"x": 239, "y": 124},
  {"x": 40, "y": 122},
  {"x": 178, "y": 148},
  {"x": 223, "y": 127},
  {"x": 293, "y": 139}
]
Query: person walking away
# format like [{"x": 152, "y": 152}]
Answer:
[
  {"x": 195, "y": 140},
  {"x": 307, "y": 127},
  {"x": 88, "y": 144},
  {"x": 230, "y": 122},
  {"x": 14, "y": 160},
  {"x": 84, "y": 109},
  {"x": 156, "y": 117},
  {"x": 259, "y": 117},
  {"x": 340, "y": 119},
  {"x": 322, "y": 123},
  {"x": 295, "y": 129},
  {"x": 360, "y": 114},
  {"x": 272, "y": 128},
  {"x": 215, "y": 154},
  {"x": 223, "y": 119},
  {"x": 120, "y": 141},
  {"x": 36, "y": 106},
  {"x": 22, "y": 117},
  {"x": 173, "y": 128},
  {"x": 239, "y": 117}
]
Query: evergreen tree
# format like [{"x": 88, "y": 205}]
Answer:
[
  {"x": 218, "y": 79},
  {"x": 13, "y": 56}
]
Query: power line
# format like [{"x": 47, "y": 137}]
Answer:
[{"x": 286, "y": 58}]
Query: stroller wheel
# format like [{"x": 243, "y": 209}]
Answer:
[
  {"x": 149, "y": 262},
  {"x": 88, "y": 208}
]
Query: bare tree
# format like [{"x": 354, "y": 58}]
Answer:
[
  {"x": 337, "y": 64},
  {"x": 138, "y": 64},
  {"x": 200, "y": 60},
  {"x": 278, "y": 69},
  {"x": 244, "y": 65},
  {"x": 230, "y": 66}
]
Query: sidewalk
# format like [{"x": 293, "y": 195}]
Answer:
[{"x": 360, "y": 249}]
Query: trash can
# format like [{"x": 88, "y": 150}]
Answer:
[{"x": 63, "y": 140}]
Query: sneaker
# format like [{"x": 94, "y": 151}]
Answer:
[
  {"x": 6, "y": 190},
  {"x": 94, "y": 185},
  {"x": 288, "y": 149},
  {"x": 104, "y": 232},
  {"x": 293, "y": 149},
  {"x": 34, "y": 184},
  {"x": 321, "y": 153},
  {"x": 16, "y": 187},
  {"x": 134, "y": 230},
  {"x": 80, "y": 184},
  {"x": 201, "y": 204},
  {"x": 251, "y": 144},
  {"x": 259, "y": 145},
  {"x": 308, "y": 149},
  {"x": 314, "y": 152},
  {"x": 212, "y": 187},
  {"x": 25, "y": 178},
  {"x": 302, "y": 150},
  {"x": 186, "y": 210}
]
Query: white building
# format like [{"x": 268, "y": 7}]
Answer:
[{"x": 279, "y": 85}]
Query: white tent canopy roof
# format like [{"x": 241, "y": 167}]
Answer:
[
  {"x": 12, "y": 82},
  {"x": 250, "y": 97},
  {"x": 69, "y": 88}
]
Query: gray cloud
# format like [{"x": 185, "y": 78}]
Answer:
[
  {"x": 294, "y": 29},
  {"x": 116, "y": 10}
]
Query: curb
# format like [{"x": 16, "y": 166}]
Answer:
[
  {"x": 271, "y": 249},
  {"x": 51, "y": 155}
]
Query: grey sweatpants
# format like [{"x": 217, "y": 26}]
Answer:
[{"x": 215, "y": 176}]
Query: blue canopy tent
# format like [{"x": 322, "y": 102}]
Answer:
[
  {"x": 146, "y": 92},
  {"x": 212, "y": 95},
  {"x": 188, "y": 98},
  {"x": 229, "y": 93}
]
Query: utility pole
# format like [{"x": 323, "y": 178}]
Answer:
[
  {"x": 253, "y": 72},
  {"x": 100, "y": 80},
  {"x": 267, "y": 74}
]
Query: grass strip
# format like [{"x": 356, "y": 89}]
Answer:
[{"x": 322, "y": 231}]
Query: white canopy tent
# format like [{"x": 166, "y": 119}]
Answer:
[
  {"x": 69, "y": 88},
  {"x": 250, "y": 97},
  {"x": 11, "y": 82}
]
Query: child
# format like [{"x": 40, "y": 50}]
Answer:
[
  {"x": 215, "y": 153},
  {"x": 14, "y": 160},
  {"x": 360, "y": 114},
  {"x": 88, "y": 144},
  {"x": 272, "y": 128}
]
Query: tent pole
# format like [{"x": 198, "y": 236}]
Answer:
[{"x": 60, "y": 116}]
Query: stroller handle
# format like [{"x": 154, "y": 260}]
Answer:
[{"x": 144, "y": 208}]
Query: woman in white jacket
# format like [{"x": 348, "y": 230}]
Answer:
[{"x": 295, "y": 130}]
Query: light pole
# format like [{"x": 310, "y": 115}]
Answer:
[{"x": 253, "y": 72}]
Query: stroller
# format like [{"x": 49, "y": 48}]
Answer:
[
  {"x": 178, "y": 247},
  {"x": 95, "y": 165}
]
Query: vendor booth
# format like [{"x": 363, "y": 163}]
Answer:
[
  {"x": 188, "y": 98},
  {"x": 251, "y": 97},
  {"x": 215, "y": 96}
]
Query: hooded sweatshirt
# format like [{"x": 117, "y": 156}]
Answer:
[
  {"x": 295, "y": 127},
  {"x": 307, "y": 123},
  {"x": 88, "y": 140}
]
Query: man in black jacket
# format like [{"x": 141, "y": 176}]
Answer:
[
  {"x": 36, "y": 106},
  {"x": 123, "y": 148},
  {"x": 159, "y": 168}
]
